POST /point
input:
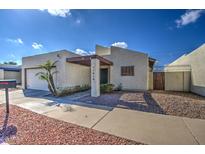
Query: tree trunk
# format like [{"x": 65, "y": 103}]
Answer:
[
  {"x": 52, "y": 85},
  {"x": 50, "y": 89}
]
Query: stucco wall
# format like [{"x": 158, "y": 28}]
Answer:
[
  {"x": 13, "y": 75},
  {"x": 1, "y": 74},
  {"x": 124, "y": 57},
  {"x": 196, "y": 59},
  {"x": 77, "y": 75},
  {"x": 102, "y": 51},
  {"x": 150, "y": 86},
  {"x": 10, "y": 75},
  {"x": 36, "y": 60},
  {"x": 177, "y": 81},
  {"x": 198, "y": 90}
]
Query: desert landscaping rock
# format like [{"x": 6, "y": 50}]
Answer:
[
  {"x": 33, "y": 128},
  {"x": 180, "y": 104},
  {"x": 66, "y": 107},
  {"x": 161, "y": 102}
]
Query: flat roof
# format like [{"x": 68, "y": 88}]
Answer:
[{"x": 15, "y": 69}]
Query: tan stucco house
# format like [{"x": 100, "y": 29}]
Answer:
[
  {"x": 119, "y": 66},
  {"x": 196, "y": 61}
]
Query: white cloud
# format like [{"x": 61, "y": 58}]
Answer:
[
  {"x": 83, "y": 52},
  {"x": 92, "y": 52},
  {"x": 58, "y": 12},
  {"x": 37, "y": 45},
  {"x": 120, "y": 44},
  {"x": 190, "y": 16},
  {"x": 16, "y": 41},
  {"x": 80, "y": 52}
]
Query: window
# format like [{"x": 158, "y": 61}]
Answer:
[{"x": 127, "y": 70}]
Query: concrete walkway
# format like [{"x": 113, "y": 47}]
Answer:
[
  {"x": 148, "y": 128},
  {"x": 152, "y": 128},
  {"x": 83, "y": 116}
]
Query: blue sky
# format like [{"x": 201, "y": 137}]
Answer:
[{"x": 163, "y": 34}]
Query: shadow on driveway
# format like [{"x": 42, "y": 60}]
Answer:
[{"x": 141, "y": 101}]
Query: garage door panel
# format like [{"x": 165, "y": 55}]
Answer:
[{"x": 33, "y": 81}]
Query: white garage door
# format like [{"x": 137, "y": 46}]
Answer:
[{"x": 33, "y": 81}]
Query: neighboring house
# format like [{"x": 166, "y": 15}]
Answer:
[
  {"x": 196, "y": 61},
  {"x": 119, "y": 66},
  {"x": 10, "y": 72}
]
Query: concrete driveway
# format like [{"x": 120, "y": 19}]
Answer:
[
  {"x": 40, "y": 102},
  {"x": 148, "y": 128}
]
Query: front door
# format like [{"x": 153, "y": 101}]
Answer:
[{"x": 103, "y": 75}]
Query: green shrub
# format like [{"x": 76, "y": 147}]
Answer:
[
  {"x": 70, "y": 90},
  {"x": 106, "y": 88}
]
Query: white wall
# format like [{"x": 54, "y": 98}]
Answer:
[
  {"x": 77, "y": 75},
  {"x": 1, "y": 74},
  {"x": 177, "y": 81},
  {"x": 124, "y": 57},
  {"x": 10, "y": 75},
  {"x": 150, "y": 81},
  {"x": 13, "y": 75},
  {"x": 196, "y": 59},
  {"x": 102, "y": 51}
]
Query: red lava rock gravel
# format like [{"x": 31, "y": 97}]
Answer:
[{"x": 33, "y": 128}]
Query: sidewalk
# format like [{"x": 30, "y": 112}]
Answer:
[{"x": 152, "y": 128}]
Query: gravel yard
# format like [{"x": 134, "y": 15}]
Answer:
[
  {"x": 162, "y": 102},
  {"x": 180, "y": 104},
  {"x": 129, "y": 100},
  {"x": 26, "y": 127}
]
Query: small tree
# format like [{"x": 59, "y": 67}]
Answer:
[
  {"x": 47, "y": 75},
  {"x": 11, "y": 63}
]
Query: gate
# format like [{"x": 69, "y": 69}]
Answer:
[{"x": 158, "y": 80}]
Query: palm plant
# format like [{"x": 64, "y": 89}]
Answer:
[{"x": 47, "y": 75}]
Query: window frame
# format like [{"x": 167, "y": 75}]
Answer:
[{"x": 128, "y": 70}]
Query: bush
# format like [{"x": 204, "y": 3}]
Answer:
[
  {"x": 106, "y": 88},
  {"x": 70, "y": 90}
]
